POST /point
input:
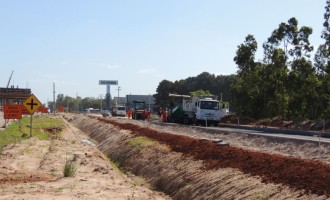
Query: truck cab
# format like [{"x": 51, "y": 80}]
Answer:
[
  {"x": 208, "y": 111},
  {"x": 139, "y": 110}
]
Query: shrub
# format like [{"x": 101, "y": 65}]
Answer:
[{"x": 70, "y": 168}]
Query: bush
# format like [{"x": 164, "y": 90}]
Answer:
[{"x": 70, "y": 168}]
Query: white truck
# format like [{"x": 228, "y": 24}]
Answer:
[
  {"x": 197, "y": 110},
  {"x": 119, "y": 110}
]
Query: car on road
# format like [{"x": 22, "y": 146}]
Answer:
[{"x": 105, "y": 113}]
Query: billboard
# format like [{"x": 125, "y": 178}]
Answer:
[{"x": 108, "y": 82}]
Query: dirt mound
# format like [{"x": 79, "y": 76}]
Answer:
[
  {"x": 278, "y": 122},
  {"x": 309, "y": 175}
]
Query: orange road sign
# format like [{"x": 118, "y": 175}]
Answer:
[
  {"x": 12, "y": 111},
  {"x": 42, "y": 109},
  {"x": 25, "y": 111},
  {"x": 32, "y": 104}
]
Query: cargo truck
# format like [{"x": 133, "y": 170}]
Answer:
[{"x": 197, "y": 110}]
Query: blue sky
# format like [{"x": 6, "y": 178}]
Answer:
[{"x": 74, "y": 44}]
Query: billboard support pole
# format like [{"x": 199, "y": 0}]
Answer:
[{"x": 108, "y": 95}]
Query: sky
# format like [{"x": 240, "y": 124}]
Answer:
[{"x": 75, "y": 43}]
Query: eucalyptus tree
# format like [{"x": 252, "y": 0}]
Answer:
[
  {"x": 245, "y": 92},
  {"x": 274, "y": 78},
  {"x": 295, "y": 41},
  {"x": 322, "y": 64},
  {"x": 304, "y": 94},
  {"x": 289, "y": 65}
]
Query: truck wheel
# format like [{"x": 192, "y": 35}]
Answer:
[
  {"x": 186, "y": 121},
  {"x": 196, "y": 122}
]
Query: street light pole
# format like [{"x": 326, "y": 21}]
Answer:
[
  {"x": 149, "y": 102},
  {"x": 118, "y": 94},
  {"x": 101, "y": 101}
]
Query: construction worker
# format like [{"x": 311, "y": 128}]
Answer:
[
  {"x": 165, "y": 115},
  {"x": 129, "y": 113},
  {"x": 160, "y": 115}
]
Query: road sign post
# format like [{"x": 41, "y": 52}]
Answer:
[{"x": 31, "y": 104}]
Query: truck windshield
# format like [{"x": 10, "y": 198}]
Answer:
[
  {"x": 139, "y": 106},
  {"x": 210, "y": 105},
  {"x": 121, "y": 108}
]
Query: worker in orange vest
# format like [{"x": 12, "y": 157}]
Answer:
[
  {"x": 129, "y": 113},
  {"x": 165, "y": 115}
]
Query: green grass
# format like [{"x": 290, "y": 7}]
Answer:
[
  {"x": 116, "y": 165},
  {"x": 70, "y": 168},
  {"x": 141, "y": 142},
  {"x": 12, "y": 134}
]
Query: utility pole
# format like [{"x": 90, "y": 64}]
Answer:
[
  {"x": 118, "y": 94},
  {"x": 149, "y": 102},
  {"x": 54, "y": 106},
  {"x": 101, "y": 102}
]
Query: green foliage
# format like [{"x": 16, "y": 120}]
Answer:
[
  {"x": 117, "y": 166},
  {"x": 201, "y": 93},
  {"x": 216, "y": 85},
  {"x": 70, "y": 168},
  {"x": 285, "y": 83},
  {"x": 13, "y": 134},
  {"x": 78, "y": 104},
  {"x": 141, "y": 142}
]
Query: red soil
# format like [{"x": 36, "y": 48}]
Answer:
[{"x": 309, "y": 175}]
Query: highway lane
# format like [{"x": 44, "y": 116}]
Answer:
[
  {"x": 312, "y": 136},
  {"x": 299, "y": 135}
]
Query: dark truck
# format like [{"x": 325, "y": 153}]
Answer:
[{"x": 139, "y": 110}]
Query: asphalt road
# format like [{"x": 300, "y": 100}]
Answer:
[
  {"x": 312, "y": 136},
  {"x": 276, "y": 133}
]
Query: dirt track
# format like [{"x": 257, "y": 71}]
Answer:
[
  {"x": 33, "y": 169},
  {"x": 180, "y": 164},
  {"x": 199, "y": 163}
]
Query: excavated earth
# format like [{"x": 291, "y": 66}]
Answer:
[{"x": 185, "y": 166}]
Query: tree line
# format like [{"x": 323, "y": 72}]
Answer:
[
  {"x": 209, "y": 83},
  {"x": 77, "y": 104},
  {"x": 285, "y": 82},
  {"x": 288, "y": 82}
]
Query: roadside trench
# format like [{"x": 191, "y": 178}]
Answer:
[{"x": 187, "y": 168}]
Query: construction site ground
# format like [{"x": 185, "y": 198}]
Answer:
[
  {"x": 33, "y": 169},
  {"x": 179, "y": 161}
]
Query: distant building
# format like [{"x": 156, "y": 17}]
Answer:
[
  {"x": 148, "y": 99},
  {"x": 120, "y": 100},
  {"x": 13, "y": 95}
]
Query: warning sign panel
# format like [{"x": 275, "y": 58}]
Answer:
[
  {"x": 32, "y": 104},
  {"x": 12, "y": 111}
]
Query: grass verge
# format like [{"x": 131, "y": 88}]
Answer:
[
  {"x": 13, "y": 133},
  {"x": 139, "y": 142}
]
